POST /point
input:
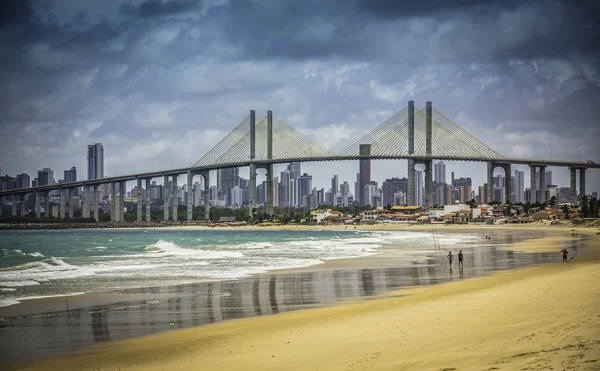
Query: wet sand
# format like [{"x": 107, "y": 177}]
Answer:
[{"x": 341, "y": 281}]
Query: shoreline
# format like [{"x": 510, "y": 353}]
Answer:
[
  {"x": 55, "y": 303},
  {"x": 201, "y": 225},
  {"x": 526, "y": 330}
]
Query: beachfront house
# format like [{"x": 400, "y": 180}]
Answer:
[
  {"x": 320, "y": 216},
  {"x": 372, "y": 214},
  {"x": 407, "y": 209}
]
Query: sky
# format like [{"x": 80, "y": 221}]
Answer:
[{"x": 160, "y": 82}]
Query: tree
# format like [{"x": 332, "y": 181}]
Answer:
[
  {"x": 552, "y": 201},
  {"x": 584, "y": 207},
  {"x": 565, "y": 209},
  {"x": 594, "y": 207}
]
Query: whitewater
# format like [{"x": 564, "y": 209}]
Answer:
[{"x": 60, "y": 263}]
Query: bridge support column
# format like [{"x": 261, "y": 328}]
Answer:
[
  {"x": 542, "y": 184},
  {"x": 23, "y": 211},
  {"x": 139, "y": 200},
  {"x": 190, "y": 196},
  {"x": 62, "y": 203},
  {"x": 71, "y": 205},
  {"x": 175, "y": 198},
  {"x": 532, "y": 185},
  {"x": 122, "y": 194},
  {"x": 85, "y": 209},
  {"x": 410, "y": 198},
  {"x": 573, "y": 184},
  {"x": 429, "y": 184},
  {"x": 166, "y": 199},
  {"x": 14, "y": 205},
  {"x": 270, "y": 209},
  {"x": 96, "y": 197},
  {"x": 581, "y": 183},
  {"x": 38, "y": 206},
  {"x": 206, "y": 176},
  {"x": 47, "y": 211},
  {"x": 148, "y": 200},
  {"x": 428, "y": 128},
  {"x": 112, "y": 195},
  {"x": 252, "y": 190},
  {"x": 490, "y": 182},
  {"x": 507, "y": 183}
]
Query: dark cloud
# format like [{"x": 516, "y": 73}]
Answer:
[
  {"x": 159, "y": 8},
  {"x": 392, "y": 9},
  {"x": 161, "y": 72},
  {"x": 14, "y": 12}
]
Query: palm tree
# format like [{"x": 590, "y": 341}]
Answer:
[
  {"x": 552, "y": 201},
  {"x": 584, "y": 207}
]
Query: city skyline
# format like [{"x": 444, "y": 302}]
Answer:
[{"x": 127, "y": 92}]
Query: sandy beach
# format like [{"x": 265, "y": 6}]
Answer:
[{"x": 543, "y": 317}]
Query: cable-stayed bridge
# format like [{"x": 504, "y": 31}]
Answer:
[{"x": 416, "y": 135}]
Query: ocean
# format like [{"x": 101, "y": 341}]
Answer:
[{"x": 36, "y": 264}]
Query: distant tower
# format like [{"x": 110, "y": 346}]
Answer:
[
  {"x": 335, "y": 185},
  {"x": 439, "y": 170},
  {"x": 364, "y": 171},
  {"x": 70, "y": 175},
  {"x": 95, "y": 161}
]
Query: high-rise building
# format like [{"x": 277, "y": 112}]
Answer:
[
  {"x": 344, "y": 188},
  {"x": 23, "y": 180},
  {"x": 439, "y": 172},
  {"x": 284, "y": 189},
  {"x": 8, "y": 182},
  {"x": 364, "y": 171},
  {"x": 456, "y": 183},
  {"x": 519, "y": 186},
  {"x": 391, "y": 187},
  {"x": 549, "y": 178},
  {"x": 70, "y": 175},
  {"x": 95, "y": 159},
  {"x": 441, "y": 193},
  {"x": 305, "y": 187},
  {"x": 45, "y": 177},
  {"x": 465, "y": 194},
  {"x": 481, "y": 196},
  {"x": 227, "y": 179},
  {"x": 335, "y": 182},
  {"x": 448, "y": 195},
  {"x": 294, "y": 168},
  {"x": 372, "y": 195},
  {"x": 236, "y": 196}
]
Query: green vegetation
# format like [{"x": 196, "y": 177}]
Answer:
[
  {"x": 32, "y": 219},
  {"x": 589, "y": 207}
]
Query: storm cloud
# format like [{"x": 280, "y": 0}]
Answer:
[{"x": 159, "y": 82}]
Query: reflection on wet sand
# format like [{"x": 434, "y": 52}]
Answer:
[{"x": 163, "y": 308}]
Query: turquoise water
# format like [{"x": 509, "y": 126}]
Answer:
[{"x": 49, "y": 263}]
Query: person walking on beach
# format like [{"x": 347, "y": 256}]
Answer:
[
  {"x": 450, "y": 258},
  {"x": 565, "y": 253},
  {"x": 460, "y": 259}
]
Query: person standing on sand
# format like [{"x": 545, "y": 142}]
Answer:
[
  {"x": 565, "y": 253},
  {"x": 460, "y": 259},
  {"x": 450, "y": 258}
]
